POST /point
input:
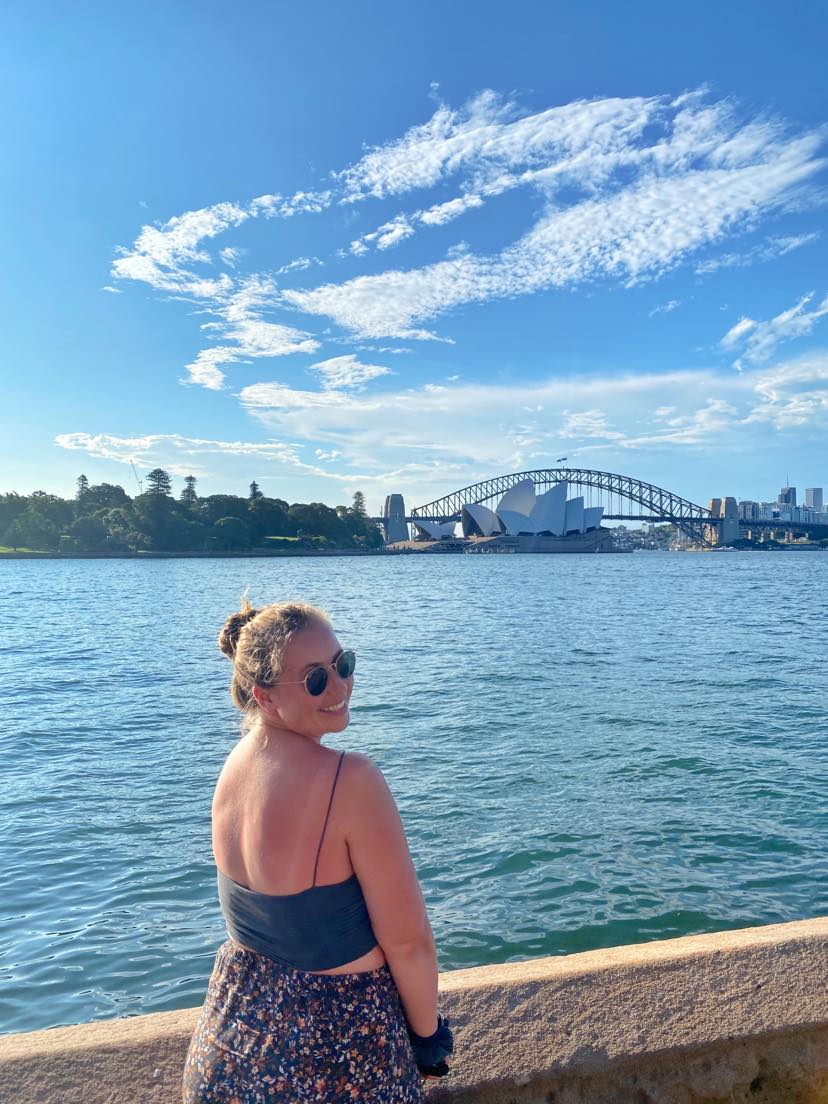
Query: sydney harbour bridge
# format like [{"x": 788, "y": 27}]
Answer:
[{"x": 623, "y": 498}]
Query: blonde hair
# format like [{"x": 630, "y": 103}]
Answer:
[{"x": 255, "y": 640}]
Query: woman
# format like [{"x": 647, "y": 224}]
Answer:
[{"x": 324, "y": 992}]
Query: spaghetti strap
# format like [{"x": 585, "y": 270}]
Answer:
[{"x": 325, "y": 825}]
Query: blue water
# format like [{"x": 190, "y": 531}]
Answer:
[{"x": 586, "y": 751}]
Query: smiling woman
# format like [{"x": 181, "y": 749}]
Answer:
[{"x": 326, "y": 992}]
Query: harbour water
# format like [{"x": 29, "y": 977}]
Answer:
[{"x": 586, "y": 751}]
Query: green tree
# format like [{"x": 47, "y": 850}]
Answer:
[
  {"x": 11, "y": 506},
  {"x": 214, "y": 507},
  {"x": 188, "y": 496},
  {"x": 269, "y": 517},
  {"x": 358, "y": 506},
  {"x": 233, "y": 533},
  {"x": 255, "y": 493},
  {"x": 89, "y": 532},
  {"x": 315, "y": 519},
  {"x": 83, "y": 487},
  {"x": 158, "y": 482},
  {"x": 102, "y": 496},
  {"x": 34, "y": 530}
]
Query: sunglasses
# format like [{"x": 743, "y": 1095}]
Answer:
[{"x": 316, "y": 679}]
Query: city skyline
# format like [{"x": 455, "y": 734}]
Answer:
[{"x": 588, "y": 235}]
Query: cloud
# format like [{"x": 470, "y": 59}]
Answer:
[
  {"x": 480, "y": 428},
  {"x": 240, "y": 320},
  {"x": 346, "y": 372},
  {"x": 403, "y": 226},
  {"x": 298, "y": 265},
  {"x": 277, "y": 206},
  {"x": 760, "y": 339},
  {"x": 172, "y": 451},
  {"x": 161, "y": 253},
  {"x": 773, "y": 247},
  {"x": 428, "y": 439},
  {"x": 623, "y": 190},
  {"x": 665, "y": 308},
  {"x": 231, "y": 255},
  {"x": 793, "y": 394},
  {"x": 112, "y": 290},
  {"x": 632, "y": 232},
  {"x": 441, "y": 213},
  {"x": 489, "y": 137}
]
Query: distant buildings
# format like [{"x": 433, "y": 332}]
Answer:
[
  {"x": 787, "y": 496},
  {"x": 813, "y": 498}
]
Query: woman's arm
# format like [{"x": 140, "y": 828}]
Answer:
[{"x": 382, "y": 861}]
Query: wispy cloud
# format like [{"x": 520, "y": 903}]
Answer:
[
  {"x": 347, "y": 372},
  {"x": 767, "y": 251},
  {"x": 298, "y": 265},
  {"x": 161, "y": 254},
  {"x": 627, "y": 188},
  {"x": 759, "y": 340},
  {"x": 703, "y": 176},
  {"x": 428, "y": 439},
  {"x": 111, "y": 290},
  {"x": 231, "y": 255},
  {"x": 277, "y": 206},
  {"x": 403, "y": 226},
  {"x": 241, "y": 320},
  {"x": 665, "y": 308},
  {"x": 178, "y": 454},
  {"x": 489, "y": 427}
]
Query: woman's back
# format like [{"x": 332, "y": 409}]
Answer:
[{"x": 272, "y": 809}]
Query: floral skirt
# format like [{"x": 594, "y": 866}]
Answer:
[{"x": 269, "y": 1034}]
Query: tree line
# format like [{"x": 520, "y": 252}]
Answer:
[{"x": 103, "y": 518}]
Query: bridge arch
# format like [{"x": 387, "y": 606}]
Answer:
[{"x": 692, "y": 519}]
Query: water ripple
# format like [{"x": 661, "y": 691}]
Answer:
[{"x": 586, "y": 752}]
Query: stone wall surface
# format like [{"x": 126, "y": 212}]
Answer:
[{"x": 736, "y": 1017}]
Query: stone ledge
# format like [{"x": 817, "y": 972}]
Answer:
[{"x": 709, "y": 1019}]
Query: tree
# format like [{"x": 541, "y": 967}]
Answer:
[
  {"x": 214, "y": 507},
  {"x": 254, "y": 492},
  {"x": 11, "y": 506},
  {"x": 315, "y": 519},
  {"x": 33, "y": 530},
  {"x": 89, "y": 532},
  {"x": 83, "y": 487},
  {"x": 102, "y": 496},
  {"x": 233, "y": 533},
  {"x": 188, "y": 496},
  {"x": 158, "y": 482},
  {"x": 359, "y": 504},
  {"x": 269, "y": 518}
]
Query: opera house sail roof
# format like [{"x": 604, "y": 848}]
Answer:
[{"x": 522, "y": 511}]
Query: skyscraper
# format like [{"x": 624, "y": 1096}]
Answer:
[
  {"x": 787, "y": 496},
  {"x": 813, "y": 498}
]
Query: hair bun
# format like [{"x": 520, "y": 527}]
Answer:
[{"x": 229, "y": 636}]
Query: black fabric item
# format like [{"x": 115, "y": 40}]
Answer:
[{"x": 430, "y": 1051}]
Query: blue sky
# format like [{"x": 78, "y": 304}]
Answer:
[{"x": 405, "y": 247}]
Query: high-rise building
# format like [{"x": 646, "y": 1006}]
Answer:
[
  {"x": 813, "y": 498},
  {"x": 787, "y": 496}
]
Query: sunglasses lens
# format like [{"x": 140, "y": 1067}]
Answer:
[
  {"x": 316, "y": 681},
  {"x": 345, "y": 664}
]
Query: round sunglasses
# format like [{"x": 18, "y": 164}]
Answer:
[{"x": 316, "y": 679}]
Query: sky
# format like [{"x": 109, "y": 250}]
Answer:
[{"x": 403, "y": 248}]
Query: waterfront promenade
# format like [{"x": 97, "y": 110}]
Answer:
[{"x": 707, "y": 1019}]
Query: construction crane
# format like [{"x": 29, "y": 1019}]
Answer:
[{"x": 137, "y": 480}]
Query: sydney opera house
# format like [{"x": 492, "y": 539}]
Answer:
[{"x": 524, "y": 521}]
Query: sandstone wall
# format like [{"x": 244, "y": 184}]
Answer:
[{"x": 727, "y": 1018}]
